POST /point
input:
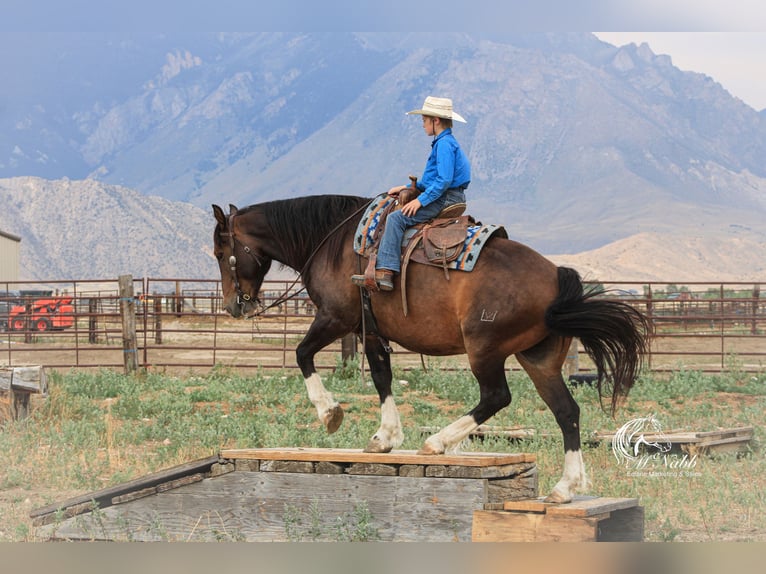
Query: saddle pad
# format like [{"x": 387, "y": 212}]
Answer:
[
  {"x": 476, "y": 238},
  {"x": 363, "y": 239}
]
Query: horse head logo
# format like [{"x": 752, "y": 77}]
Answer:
[{"x": 628, "y": 440}]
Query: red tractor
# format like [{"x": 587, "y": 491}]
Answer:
[{"x": 44, "y": 314}]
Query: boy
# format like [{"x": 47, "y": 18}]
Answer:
[{"x": 445, "y": 178}]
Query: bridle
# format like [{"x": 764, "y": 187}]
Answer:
[{"x": 244, "y": 298}]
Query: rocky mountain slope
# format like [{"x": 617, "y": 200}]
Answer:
[{"x": 90, "y": 230}]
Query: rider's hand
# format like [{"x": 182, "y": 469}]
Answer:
[{"x": 409, "y": 209}]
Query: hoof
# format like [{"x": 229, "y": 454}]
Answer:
[
  {"x": 556, "y": 497},
  {"x": 333, "y": 418},
  {"x": 429, "y": 450},
  {"x": 375, "y": 445}
]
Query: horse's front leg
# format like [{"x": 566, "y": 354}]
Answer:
[
  {"x": 389, "y": 435},
  {"x": 321, "y": 333}
]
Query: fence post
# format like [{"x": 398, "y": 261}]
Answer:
[
  {"x": 572, "y": 362},
  {"x": 649, "y": 315},
  {"x": 177, "y": 302},
  {"x": 128, "y": 314},
  {"x": 28, "y": 321},
  {"x": 158, "y": 318},
  {"x": 92, "y": 320}
]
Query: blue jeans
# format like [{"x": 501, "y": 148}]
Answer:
[{"x": 390, "y": 249}]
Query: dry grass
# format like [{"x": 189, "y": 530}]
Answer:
[{"x": 96, "y": 430}]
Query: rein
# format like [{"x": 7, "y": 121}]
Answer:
[{"x": 243, "y": 298}]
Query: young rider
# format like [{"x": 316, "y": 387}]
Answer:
[{"x": 445, "y": 178}]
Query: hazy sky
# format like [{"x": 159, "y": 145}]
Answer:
[
  {"x": 736, "y": 60},
  {"x": 735, "y": 55}
]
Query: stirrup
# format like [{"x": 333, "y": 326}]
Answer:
[{"x": 360, "y": 281}]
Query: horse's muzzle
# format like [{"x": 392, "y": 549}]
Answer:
[{"x": 241, "y": 309}]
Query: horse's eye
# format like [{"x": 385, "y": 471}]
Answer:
[{"x": 219, "y": 256}]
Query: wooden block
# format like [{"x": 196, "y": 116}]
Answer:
[
  {"x": 625, "y": 525},
  {"x": 587, "y": 518},
  {"x": 581, "y": 506},
  {"x": 287, "y": 466},
  {"x": 179, "y": 482},
  {"x": 369, "y": 469},
  {"x": 221, "y": 468},
  {"x": 502, "y": 526},
  {"x": 520, "y": 486},
  {"x": 247, "y": 465},
  {"x": 327, "y": 467},
  {"x": 412, "y": 470},
  {"x": 30, "y": 379}
]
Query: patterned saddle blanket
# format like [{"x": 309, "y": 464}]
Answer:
[{"x": 462, "y": 257}]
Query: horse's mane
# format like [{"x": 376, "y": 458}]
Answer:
[{"x": 302, "y": 223}]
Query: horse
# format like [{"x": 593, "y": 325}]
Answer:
[{"x": 513, "y": 302}]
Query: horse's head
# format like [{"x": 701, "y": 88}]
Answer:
[{"x": 241, "y": 260}]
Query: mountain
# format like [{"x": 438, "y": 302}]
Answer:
[
  {"x": 732, "y": 255},
  {"x": 91, "y": 230},
  {"x": 575, "y": 144}
]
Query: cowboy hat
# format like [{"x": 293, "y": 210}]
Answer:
[{"x": 440, "y": 108}]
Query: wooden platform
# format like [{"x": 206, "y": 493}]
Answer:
[
  {"x": 585, "y": 519},
  {"x": 297, "y": 493},
  {"x": 692, "y": 442}
]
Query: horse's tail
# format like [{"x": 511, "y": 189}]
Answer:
[{"x": 614, "y": 334}]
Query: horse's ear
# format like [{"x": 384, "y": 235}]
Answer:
[
  {"x": 219, "y": 216},
  {"x": 233, "y": 209}
]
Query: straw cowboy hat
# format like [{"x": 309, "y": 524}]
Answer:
[{"x": 440, "y": 108}]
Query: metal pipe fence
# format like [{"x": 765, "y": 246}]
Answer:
[{"x": 181, "y": 327}]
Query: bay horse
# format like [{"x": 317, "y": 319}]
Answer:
[{"x": 514, "y": 302}]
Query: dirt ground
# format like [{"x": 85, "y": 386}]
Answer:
[{"x": 198, "y": 344}]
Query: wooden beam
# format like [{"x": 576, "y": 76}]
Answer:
[{"x": 394, "y": 457}]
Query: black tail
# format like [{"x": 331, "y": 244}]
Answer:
[{"x": 614, "y": 334}]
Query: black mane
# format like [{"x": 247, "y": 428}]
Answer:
[{"x": 301, "y": 224}]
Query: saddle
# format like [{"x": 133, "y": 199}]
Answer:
[{"x": 436, "y": 242}]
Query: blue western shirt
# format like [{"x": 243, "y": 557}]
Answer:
[{"x": 447, "y": 167}]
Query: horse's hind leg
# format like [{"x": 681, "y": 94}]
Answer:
[
  {"x": 543, "y": 364},
  {"x": 494, "y": 396},
  {"x": 389, "y": 435}
]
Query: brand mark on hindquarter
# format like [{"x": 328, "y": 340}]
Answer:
[{"x": 488, "y": 316}]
